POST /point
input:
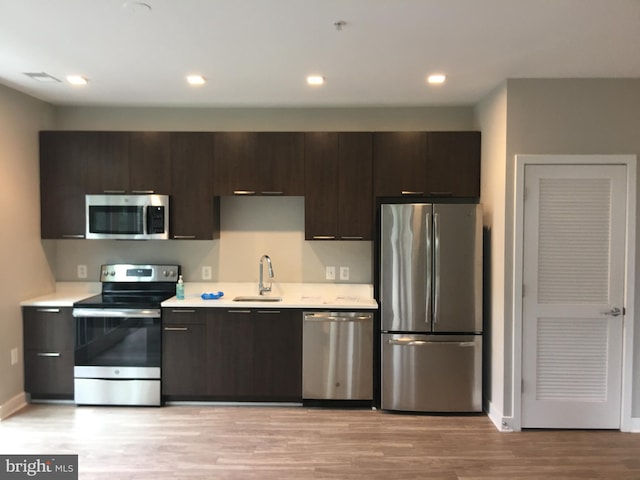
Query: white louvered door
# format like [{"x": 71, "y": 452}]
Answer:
[{"x": 573, "y": 282}]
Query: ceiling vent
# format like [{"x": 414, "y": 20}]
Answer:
[{"x": 42, "y": 77}]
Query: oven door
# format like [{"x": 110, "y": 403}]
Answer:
[{"x": 117, "y": 356}]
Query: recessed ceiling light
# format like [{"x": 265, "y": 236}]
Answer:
[
  {"x": 77, "y": 80},
  {"x": 436, "y": 79},
  {"x": 315, "y": 80},
  {"x": 195, "y": 79}
]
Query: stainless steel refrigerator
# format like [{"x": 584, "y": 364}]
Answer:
[{"x": 430, "y": 293}]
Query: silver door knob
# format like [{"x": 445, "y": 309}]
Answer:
[{"x": 614, "y": 312}]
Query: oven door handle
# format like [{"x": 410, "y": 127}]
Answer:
[{"x": 116, "y": 313}]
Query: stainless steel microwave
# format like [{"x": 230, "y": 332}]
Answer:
[{"x": 127, "y": 217}]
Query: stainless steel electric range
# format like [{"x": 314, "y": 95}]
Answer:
[{"x": 119, "y": 336}]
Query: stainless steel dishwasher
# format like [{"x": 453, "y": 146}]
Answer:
[{"x": 337, "y": 356}]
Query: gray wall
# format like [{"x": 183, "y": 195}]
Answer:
[
  {"x": 26, "y": 271},
  {"x": 586, "y": 116}
]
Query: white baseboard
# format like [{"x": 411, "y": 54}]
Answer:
[
  {"x": 502, "y": 423},
  {"x": 635, "y": 425},
  {"x": 12, "y": 405}
]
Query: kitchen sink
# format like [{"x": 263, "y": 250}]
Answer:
[{"x": 256, "y": 298}]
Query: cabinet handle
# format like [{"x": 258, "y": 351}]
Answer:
[
  {"x": 183, "y": 311},
  {"x": 272, "y": 193},
  {"x": 244, "y": 192},
  {"x": 238, "y": 311},
  {"x": 143, "y": 191},
  {"x": 324, "y": 237},
  {"x": 176, "y": 329},
  {"x": 441, "y": 194},
  {"x": 409, "y": 192},
  {"x": 72, "y": 236},
  {"x": 184, "y": 237},
  {"x": 48, "y": 354},
  {"x": 48, "y": 310},
  {"x": 351, "y": 238},
  {"x": 268, "y": 311},
  {"x": 114, "y": 191}
]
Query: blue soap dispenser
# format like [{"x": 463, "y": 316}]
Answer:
[{"x": 180, "y": 289}]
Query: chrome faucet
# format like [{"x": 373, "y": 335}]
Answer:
[{"x": 261, "y": 288}]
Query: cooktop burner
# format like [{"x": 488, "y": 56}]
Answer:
[{"x": 133, "y": 286}]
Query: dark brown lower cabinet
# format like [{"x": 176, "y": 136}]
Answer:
[
  {"x": 232, "y": 354},
  {"x": 277, "y": 350},
  {"x": 183, "y": 353},
  {"x": 229, "y": 353},
  {"x": 49, "y": 337}
]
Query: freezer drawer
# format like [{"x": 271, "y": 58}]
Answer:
[
  {"x": 337, "y": 356},
  {"x": 431, "y": 373}
]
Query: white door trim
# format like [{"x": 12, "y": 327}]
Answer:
[{"x": 630, "y": 162}]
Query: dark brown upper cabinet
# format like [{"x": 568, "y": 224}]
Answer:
[
  {"x": 194, "y": 211},
  {"x": 107, "y": 162},
  {"x": 399, "y": 163},
  {"x": 150, "y": 162},
  {"x": 338, "y": 185},
  {"x": 63, "y": 168},
  {"x": 426, "y": 164},
  {"x": 258, "y": 163},
  {"x": 453, "y": 164}
]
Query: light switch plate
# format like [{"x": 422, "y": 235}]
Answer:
[
  {"x": 344, "y": 273},
  {"x": 330, "y": 273},
  {"x": 14, "y": 356},
  {"x": 206, "y": 273}
]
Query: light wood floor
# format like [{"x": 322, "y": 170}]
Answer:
[{"x": 220, "y": 442}]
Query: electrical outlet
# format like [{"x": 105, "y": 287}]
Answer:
[
  {"x": 14, "y": 356},
  {"x": 206, "y": 273},
  {"x": 344, "y": 273},
  {"x": 82, "y": 271},
  {"x": 330, "y": 273}
]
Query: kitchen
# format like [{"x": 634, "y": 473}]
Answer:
[{"x": 520, "y": 115}]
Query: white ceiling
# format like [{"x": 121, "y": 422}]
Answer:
[{"x": 258, "y": 52}]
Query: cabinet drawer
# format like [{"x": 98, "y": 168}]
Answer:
[
  {"x": 182, "y": 316},
  {"x": 48, "y": 372},
  {"x": 48, "y": 328}
]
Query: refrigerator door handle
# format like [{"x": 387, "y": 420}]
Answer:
[
  {"x": 429, "y": 247},
  {"x": 436, "y": 266},
  {"x": 418, "y": 343}
]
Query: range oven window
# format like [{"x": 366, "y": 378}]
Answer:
[
  {"x": 121, "y": 342},
  {"x": 126, "y": 220}
]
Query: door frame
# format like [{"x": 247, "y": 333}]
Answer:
[{"x": 630, "y": 161}]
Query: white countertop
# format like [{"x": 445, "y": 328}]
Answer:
[
  {"x": 65, "y": 295},
  {"x": 294, "y": 295}
]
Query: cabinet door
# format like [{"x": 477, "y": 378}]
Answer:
[
  {"x": 63, "y": 160},
  {"x": 355, "y": 183},
  {"x": 184, "y": 353},
  {"x": 234, "y": 164},
  {"x": 279, "y": 160},
  {"x": 230, "y": 354},
  {"x": 150, "y": 162},
  {"x": 194, "y": 212},
  {"x": 107, "y": 162},
  {"x": 400, "y": 163},
  {"x": 49, "y": 337},
  {"x": 453, "y": 164},
  {"x": 277, "y": 351},
  {"x": 321, "y": 186}
]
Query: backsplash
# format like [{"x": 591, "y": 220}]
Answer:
[{"x": 250, "y": 227}]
